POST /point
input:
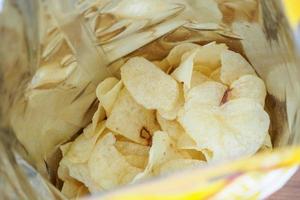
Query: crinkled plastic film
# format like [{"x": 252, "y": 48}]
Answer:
[{"x": 69, "y": 41}]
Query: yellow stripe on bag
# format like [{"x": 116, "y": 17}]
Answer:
[{"x": 293, "y": 11}]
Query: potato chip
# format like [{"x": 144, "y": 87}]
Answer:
[
  {"x": 77, "y": 171},
  {"x": 148, "y": 85},
  {"x": 267, "y": 145},
  {"x": 183, "y": 73},
  {"x": 108, "y": 167},
  {"x": 172, "y": 128},
  {"x": 237, "y": 128},
  {"x": 209, "y": 55},
  {"x": 248, "y": 86},
  {"x": 208, "y": 93},
  {"x": 135, "y": 154},
  {"x": 82, "y": 147},
  {"x": 196, "y": 154},
  {"x": 179, "y": 164},
  {"x": 131, "y": 120},
  {"x": 163, "y": 149},
  {"x": 176, "y": 133},
  {"x": 172, "y": 114},
  {"x": 65, "y": 148},
  {"x": 107, "y": 92},
  {"x": 174, "y": 57},
  {"x": 82, "y": 191},
  {"x": 234, "y": 66},
  {"x": 73, "y": 189},
  {"x": 198, "y": 78},
  {"x": 98, "y": 116},
  {"x": 163, "y": 65},
  {"x": 215, "y": 75},
  {"x": 127, "y": 148},
  {"x": 207, "y": 71}
]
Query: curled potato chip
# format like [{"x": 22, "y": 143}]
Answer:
[
  {"x": 131, "y": 120},
  {"x": 162, "y": 150},
  {"x": 183, "y": 73},
  {"x": 215, "y": 75},
  {"x": 82, "y": 147},
  {"x": 108, "y": 167},
  {"x": 198, "y": 78},
  {"x": 73, "y": 189},
  {"x": 234, "y": 66},
  {"x": 207, "y": 71},
  {"x": 76, "y": 154},
  {"x": 267, "y": 146},
  {"x": 163, "y": 65},
  {"x": 176, "y": 133},
  {"x": 208, "y": 93},
  {"x": 135, "y": 154},
  {"x": 172, "y": 114},
  {"x": 209, "y": 56},
  {"x": 65, "y": 148},
  {"x": 107, "y": 92},
  {"x": 248, "y": 86},
  {"x": 237, "y": 128},
  {"x": 174, "y": 57},
  {"x": 172, "y": 128},
  {"x": 79, "y": 172},
  {"x": 98, "y": 116},
  {"x": 148, "y": 85}
]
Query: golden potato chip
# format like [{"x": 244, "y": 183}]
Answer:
[
  {"x": 107, "y": 92},
  {"x": 73, "y": 189},
  {"x": 196, "y": 154},
  {"x": 172, "y": 128},
  {"x": 237, "y": 128},
  {"x": 108, "y": 167},
  {"x": 215, "y": 75},
  {"x": 149, "y": 85},
  {"x": 234, "y": 66},
  {"x": 65, "y": 148},
  {"x": 207, "y": 71},
  {"x": 135, "y": 154},
  {"x": 82, "y": 191},
  {"x": 267, "y": 141},
  {"x": 127, "y": 148},
  {"x": 82, "y": 147},
  {"x": 176, "y": 133},
  {"x": 172, "y": 114},
  {"x": 179, "y": 164},
  {"x": 198, "y": 78},
  {"x": 163, "y": 149},
  {"x": 174, "y": 57},
  {"x": 183, "y": 73},
  {"x": 163, "y": 65},
  {"x": 98, "y": 116},
  {"x": 248, "y": 86},
  {"x": 131, "y": 120},
  {"x": 79, "y": 172},
  {"x": 267, "y": 145},
  {"x": 209, "y": 55},
  {"x": 208, "y": 93},
  {"x": 137, "y": 161}
]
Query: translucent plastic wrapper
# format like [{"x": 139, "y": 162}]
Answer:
[{"x": 53, "y": 54}]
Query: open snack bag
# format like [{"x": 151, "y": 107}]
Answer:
[{"x": 147, "y": 99}]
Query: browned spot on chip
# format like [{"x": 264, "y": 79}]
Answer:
[{"x": 225, "y": 97}]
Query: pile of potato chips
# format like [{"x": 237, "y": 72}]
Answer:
[{"x": 198, "y": 105}]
